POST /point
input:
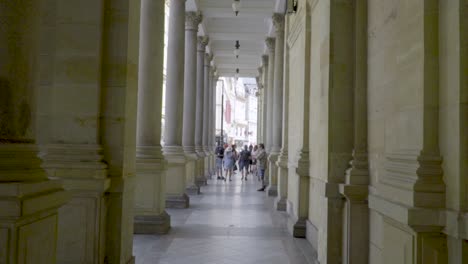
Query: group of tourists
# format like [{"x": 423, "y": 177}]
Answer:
[{"x": 250, "y": 160}]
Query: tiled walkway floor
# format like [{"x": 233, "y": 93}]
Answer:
[{"x": 230, "y": 222}]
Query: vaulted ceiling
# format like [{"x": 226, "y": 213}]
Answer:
[{"x": 252, "y": 25}]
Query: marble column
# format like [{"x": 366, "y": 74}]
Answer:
[
  {"x": 282, "y": 162},
  {"x": 200, "y": 177},
  {"x": 265, "y": 98},
  {"x": 206, "y": 98},
  {"x": 272, "y": 189},
  {"x": 173, "y": 151},
  {"x": 355, "y": 188},
  {"x": 192, "y": 20},
  {"x": 150, "y": 216}
]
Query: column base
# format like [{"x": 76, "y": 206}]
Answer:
[
  {"x": 300, "y": 228},
  {"x": 193, "y": 190},
  {"x": 132, "y": 260},
  {"x": 272, "y": 190},
  {"x": 29, "y": 220},
  {"x": 281, "y": 204},
  {"x": 152, "y": 224},
  {"x": 177, "y": 201}
]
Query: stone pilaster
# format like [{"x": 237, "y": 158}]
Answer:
[
  {"x": 118, "y": 114},
  {"x": 282, "y": 163},
  {"x": 355, "y": 188},
  {"x": 69, "y": 113},
  {"x": 199, "y": 120},
  {"x": 150, "y": 200},
  {"x": 173, "y": 151},
  {"x": 192, "y": 20}
]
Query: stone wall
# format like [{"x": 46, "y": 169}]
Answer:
[{"x": 416, "y": 119}]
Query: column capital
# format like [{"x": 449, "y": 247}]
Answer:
[
  {"x": 192, "y": 20},
  {"x": 270, "y": 43},
  {"x": 278, "y": 22},
  {"x": 264, "y": 60},
  {"x": 202, "y": 42}
]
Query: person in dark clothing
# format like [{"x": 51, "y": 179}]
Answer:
[
  {"x": 244, "y": 162},
  {"x": 219, "y": 152}
]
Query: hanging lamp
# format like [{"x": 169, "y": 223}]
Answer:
[
  {"x": 236, "y": 6},
  {"x": 237, "y": 50}
]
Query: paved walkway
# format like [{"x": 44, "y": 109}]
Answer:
[{"x": 230, "y": 222}]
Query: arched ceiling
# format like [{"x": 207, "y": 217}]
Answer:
[{"x": 252, "y": 25}]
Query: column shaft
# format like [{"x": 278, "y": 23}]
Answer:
[
  {"x": 192, "y": 19},
  {"x": 281, "y": 202},
  {"x": 269, "y": 81},
  {"x": 278, "y": 21},
  {"x": 176, "y": 174},
  {"x": 175, "y": 75},
  {"x": 206, "y": 118},
  {"x": 265, "y": 98},
  {"x": 272, "y": 189},
  {"x": 200, "y": 117},
  {"x": 150, "y": 216}
]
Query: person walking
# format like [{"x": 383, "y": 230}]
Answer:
[
  {"x": 261, "y": 163},
  {"x": 229, "y": 162},
  {"x": 219, "y": 161},
  {"x": 250, "y": 160},
  {"x": 244, "y": 162}
]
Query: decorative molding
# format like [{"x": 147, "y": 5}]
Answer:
[
  {"x": 296, "y": 28},
  {"x": 202, "y": 42},
  {"x": 265, "y": 60},
  {"x": 278, "y": 22},
  {"x": 192, "y": 20},
  {"x": 270, "y": 43}
]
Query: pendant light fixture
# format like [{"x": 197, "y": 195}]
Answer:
[
  {"x": 237, "y": 74},
  {"x": 236, "y": 6},
  {"x": 237, "y": 50}
]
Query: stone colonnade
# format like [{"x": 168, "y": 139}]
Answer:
[
  {"x": 356, "y": 155},
  {"x": 82, "y": 166}
]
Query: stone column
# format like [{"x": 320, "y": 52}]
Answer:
[
  {"x": 192, "y": 20},
  {"x": 29, "y": 201},
  {"x": 355, "y": 188},
  {"x": 282, "y": 162},
  {"x": 265, "y": 97},
  {"x": 272, "y": 189},
  {"x": 206, "y": 113},
  {"x": 269, "y": 77},
  {"x": 173, "y": 151},
  {"x": 259, "y": 107},
  {"x": 211, "y": 161},
  {"x": 150, "y": 216},
  {"x": 199, "y": 120}
]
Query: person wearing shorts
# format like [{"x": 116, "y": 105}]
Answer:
[
  {"x": 244, "y": 162},
  {"x": 219, "y": 161}
]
